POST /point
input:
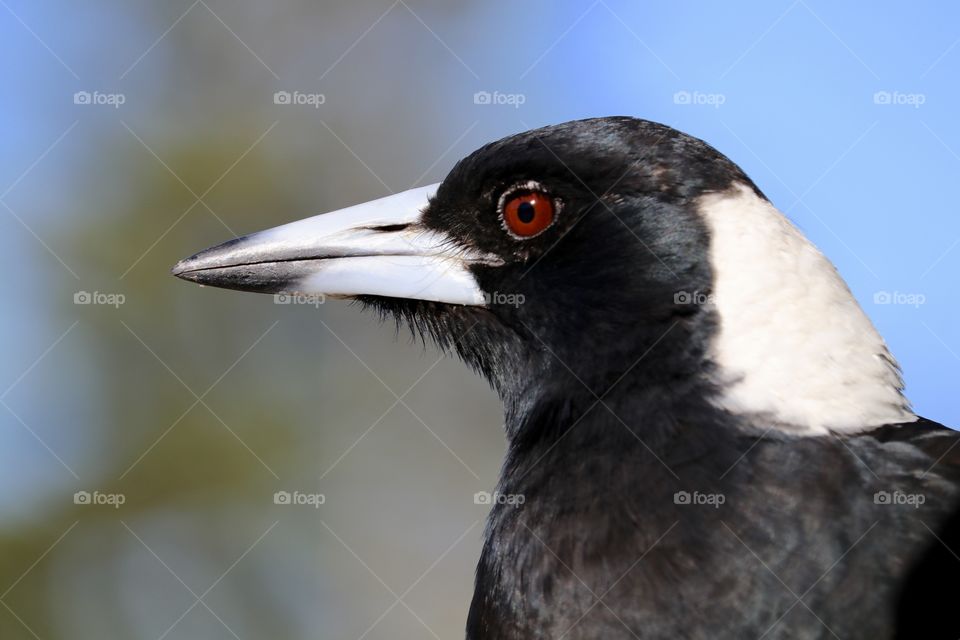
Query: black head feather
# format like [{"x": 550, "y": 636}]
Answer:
[{"x": 594, "y": 292}]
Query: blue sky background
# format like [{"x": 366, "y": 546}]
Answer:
[{"x": 845, "y": 115}]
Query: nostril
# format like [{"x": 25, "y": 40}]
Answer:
[{"x": 386, "y": 228}]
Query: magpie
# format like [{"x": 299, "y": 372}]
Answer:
[{"x": 710, "y": 437}]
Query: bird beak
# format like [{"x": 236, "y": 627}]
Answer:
[{"x": 378, "y": 248}]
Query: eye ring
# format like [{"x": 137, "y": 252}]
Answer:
[{"x": 527, "y": 209}]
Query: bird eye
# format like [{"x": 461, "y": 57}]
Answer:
[{"x": 527, "y": 211}]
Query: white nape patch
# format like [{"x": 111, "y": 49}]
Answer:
[{"x": 793, "y": 347}]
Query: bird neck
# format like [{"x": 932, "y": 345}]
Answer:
[{"x": 657, "y": 404}]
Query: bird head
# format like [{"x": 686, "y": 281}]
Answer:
[{"x": 557, "y": 260}]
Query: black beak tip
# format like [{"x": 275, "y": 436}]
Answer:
[
  {"x": 182, "y": 269},
  {"x": 190, "y": 269},
  {"x": 208, "y": 268},
  {"x": 221, "y": 255}
]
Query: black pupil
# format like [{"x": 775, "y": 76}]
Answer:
[{"x": 526, "y": 212}]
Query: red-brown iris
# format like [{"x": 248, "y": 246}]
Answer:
[{"x": 527, "y": 213}]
